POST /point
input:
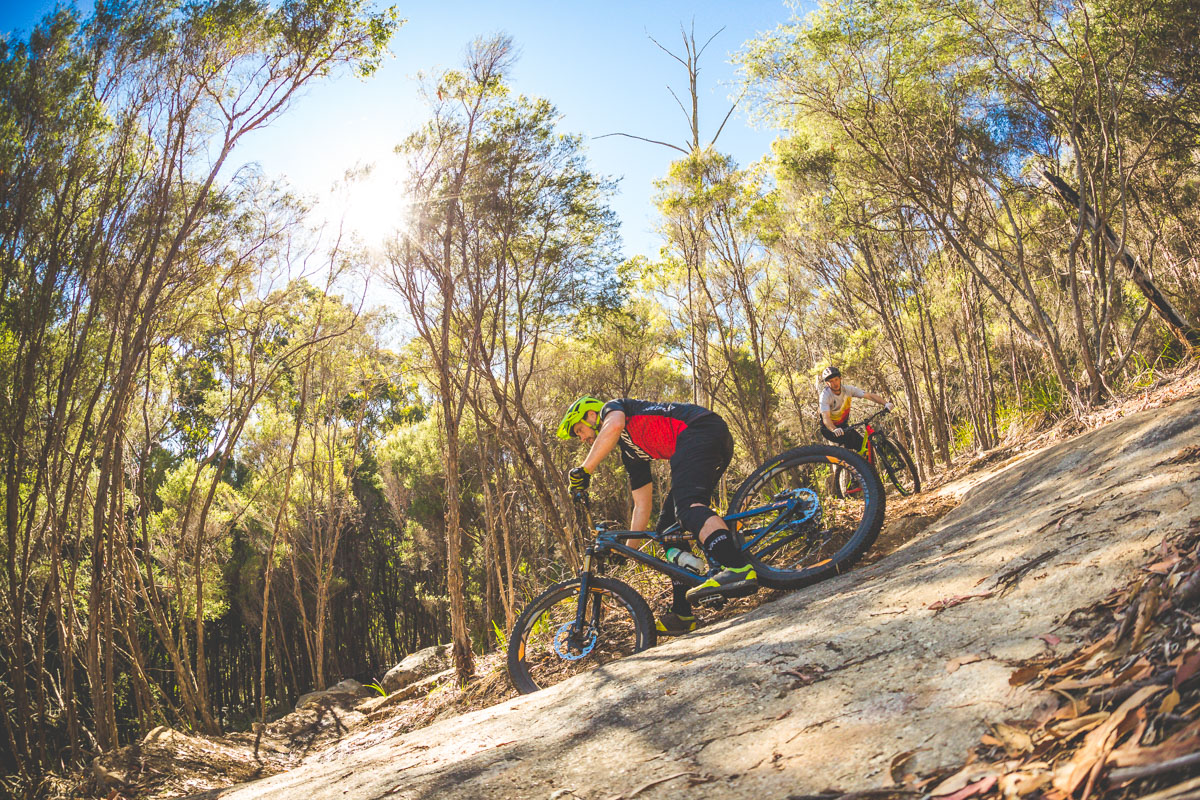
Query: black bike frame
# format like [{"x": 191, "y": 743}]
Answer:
[{"x": 612, "y": 542}]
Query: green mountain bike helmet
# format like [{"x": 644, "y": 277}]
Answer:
[{"x": 577, "y": 413}]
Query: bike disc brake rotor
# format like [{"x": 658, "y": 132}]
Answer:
[
  {"x": 802, "y": 513},
  {"x": 814, "y": 505},
  {"x": 562, "y": 642}
]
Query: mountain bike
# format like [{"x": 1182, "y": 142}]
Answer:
[
  {"x": 783, "y": 516},
  {"x": 888, "y": 457}
]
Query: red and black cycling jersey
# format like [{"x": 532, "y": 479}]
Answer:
[{"x": 652, "y": 430}]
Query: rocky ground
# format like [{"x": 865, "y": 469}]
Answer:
[{"x": 1033, "y": 641}]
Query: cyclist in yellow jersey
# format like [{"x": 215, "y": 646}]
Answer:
[{"x": 834, "y": 405}]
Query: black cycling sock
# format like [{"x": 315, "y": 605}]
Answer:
[
  {"x": 722, "y": 549},
  {"x": 679, "y": 601}
]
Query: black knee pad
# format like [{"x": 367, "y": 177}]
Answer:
[{"x": 693, "y": 517}]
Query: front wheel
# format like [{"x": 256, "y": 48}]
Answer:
[
  {"x": 897, "y": 465},
  {"x": 545, "y": 645},
  {"x": 802, "y": 527}
]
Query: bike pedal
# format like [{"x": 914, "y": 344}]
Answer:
[{"x": 716, "y": 602}]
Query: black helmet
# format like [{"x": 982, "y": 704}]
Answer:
[{"x": 830, "y": 372}]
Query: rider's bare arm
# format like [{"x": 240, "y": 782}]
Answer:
[
  {"x": 875, "y": 398},
  {"x": 828, "y": 420},
  {"x": 606, "y": 439}
]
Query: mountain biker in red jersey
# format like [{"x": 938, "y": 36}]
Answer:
[
  {"x": 699, "y": 447},
  {"x": 834, "y": 405}
]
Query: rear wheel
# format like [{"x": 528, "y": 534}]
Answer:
[
  {"x": 806, "y": 529},
  {"x": 843, "y": 483},
  {"x": 896, "y": 463},
  {"x": 544, "y": 647}
]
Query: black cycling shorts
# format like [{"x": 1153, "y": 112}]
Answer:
[
  {"x": 850, "y": 438},
  {"x": 702, "y": 454}
]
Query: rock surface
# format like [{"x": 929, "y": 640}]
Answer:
[
  {"x": 416, "y": 666},
  {"x": 824, "y": 688},
  {"x": 345, "y": 694}
]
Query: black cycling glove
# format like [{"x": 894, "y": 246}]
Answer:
[{"x": 579, "y": 479}]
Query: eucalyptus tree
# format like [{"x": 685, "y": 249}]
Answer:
[
  {"x": 708, "y": 205},
  {"x": 861, "y": 82},
  {"x": 116, "y": 134},
  {"x": 429, "y": 266},
  {"x": 351, "y": 400},
  {"x": 1107, "y": 93},
  {"x": 509, "y": 235},
  {"x": 543, "y": 249},
  {"x": 685, "y": 231},
  {"x": 915, "y": 114}
]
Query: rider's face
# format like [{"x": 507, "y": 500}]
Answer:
[
  {"x": 835, "y": 383},
  {"x": 584, "y": 430}
]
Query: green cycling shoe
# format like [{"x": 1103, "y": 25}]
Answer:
[
  {"x": 673, "y": 624},
  {"x": 729, "y": 582}
]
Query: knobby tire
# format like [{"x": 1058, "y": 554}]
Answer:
[
  {"x": 626, "y": 627},
  {"x": 794, "y": 554},
  {"x": 898, "y": 465}
]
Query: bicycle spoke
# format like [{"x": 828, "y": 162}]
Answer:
[
  {"x": 554, "y": 649},
  {"x": 817, "y": 525},
  {"x": 898, "y": 468}
]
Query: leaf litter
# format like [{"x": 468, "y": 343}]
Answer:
[{"x": 1124, "y": 722}]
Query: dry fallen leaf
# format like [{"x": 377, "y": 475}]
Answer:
[
  {"x": 1023, "y": 675},
  {"x": 1182, "y": 743},
  {"x": 1169, "y": 702},
  {"x": 899, "y": 765},
  {"x": 1014, "y": 740},
  {"x": 1164, "y": 566},
  {"x": 1019, "y": 784},
  {"x": 970, "y": 658},
  {"x": 968, "y": 775},
  {"x": 1139, "y": 669},
  {"x": 1072, "y": 726},
  {"x": 1099, "y": 742},
  {"x": 1088, "y": 683},
  {"x": 1188, "y": 666},
  {"x": 972, "y": 789},
  {"x": 1050, "y": 639}
]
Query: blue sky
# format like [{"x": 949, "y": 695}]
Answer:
[{"x": 593, "y": 60}]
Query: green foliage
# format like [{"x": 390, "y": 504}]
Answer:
[
  {"x": 1043, "y": 396},
  {"x": 501, "y": 636},
  {"x": 138, "y": 343}
]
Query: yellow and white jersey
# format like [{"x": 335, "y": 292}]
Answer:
[{"x": 838, "y": 405}]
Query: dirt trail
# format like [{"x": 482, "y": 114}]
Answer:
[{"x": 823, "y": 688}]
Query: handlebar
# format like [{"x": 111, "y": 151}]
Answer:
[
  {"x": 871, "y": 418},
  {"x": 590, "y": 528}
]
